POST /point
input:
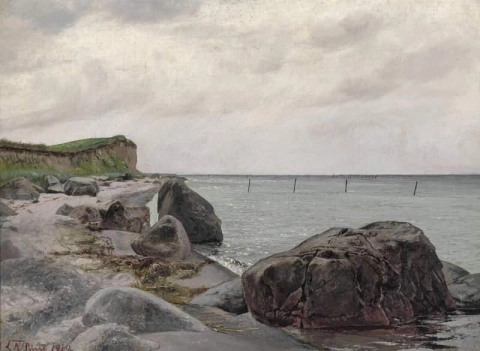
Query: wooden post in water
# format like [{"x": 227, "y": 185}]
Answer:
[
  {"x": 294, "y": 185},
  {"x": 248, "y": 185},
  {"x": 415, "y": 191},
  {"x": 346, "y": 184}
]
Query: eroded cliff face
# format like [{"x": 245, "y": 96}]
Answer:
[{"x": 120, "y": 155}]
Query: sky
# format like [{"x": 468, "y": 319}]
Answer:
[{"x": 250, "y": 86}]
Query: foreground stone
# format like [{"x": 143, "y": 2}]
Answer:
[
  {"x": 453, "y": 272},
  {"x": 53, "y": 185},
  {"x": 19, "y": 189},
  {"x": 111, "y": 337},
  {"x": 8, "y": 250},
  {"x": 466, "y": 292},
  {"x": 175, "y": 198},
  {"x": 6, "y": 211},
  {"x": 130, "y": 219},
  {"x": 386, "y": 273},
  {"x": 227, "y": 296},
  {"x": 138, "y": 310},
  {"x": 64, "y": 210},
  {"x": 167, "y": 239},
  {"x": 79, "y": 186}
]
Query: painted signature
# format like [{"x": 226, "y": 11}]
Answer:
[{"x": 20, "y": 345}]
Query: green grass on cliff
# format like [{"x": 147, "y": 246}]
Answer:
[{"x": 70, "y": 147}]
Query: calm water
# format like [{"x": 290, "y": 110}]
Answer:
[{"x": 271, "y": 218}]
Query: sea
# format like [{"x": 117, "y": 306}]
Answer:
[{"x": 263, "y": 215}]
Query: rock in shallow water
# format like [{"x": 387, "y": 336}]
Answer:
[
  {"x": 175, "y": 198},
  {"x": 453, "y": 272},
  {"x": 383, "y": 274},
  {"x": 466, "y": 292},
  {"x": 227, "y": 296},
  {"x": 167, "y": 238},
  {"x": 138, "y": 310}
]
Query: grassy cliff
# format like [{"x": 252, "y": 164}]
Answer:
[{"x": 93, "y": 156}]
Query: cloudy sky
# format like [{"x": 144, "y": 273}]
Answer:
[{"x": 250, "y": 86}]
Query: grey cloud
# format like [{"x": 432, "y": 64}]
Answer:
[
  {"x": 151, "y": 10},
  {"x": 366, "y": 88},
  {"x": 49, "y": 16},
  {"x": 431, "y": 62},
  {"x": 349, "y": 31}
]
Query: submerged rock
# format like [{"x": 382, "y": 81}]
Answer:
[
  {"x": 227, "y": 296},
  {"x": 6, "y": 211},
  {"x": 138, "y": 310},
  {"x": 86, "y": 214},
  {"x": 53, "y": 185},
  {"x": 466, "y": 292},
  {"x": 386, "y": 273},
  {"x": 130, "y": 219},
  {"x": 111, "y": 337},
  {"x": 64, "y": 210},
  {"x": 167, "y": 238},
  {"x": 79, "y": 186},
  {"x": 19, "y": 189},
  {"x": 175, "y": 198},
  {"x": 453, "y": 272}
]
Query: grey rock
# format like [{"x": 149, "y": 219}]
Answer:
[
  {"x": 19, "y": 189},
  {"x": 138, "y": 310},
  {"x": 64, "y": 210},
  {"x": 111, "y": 337},
  {"x": 383, "y": 274},
  {"x": 6, "y": 211},
  {"x": 453, "y": 272},
  {"x": 53, "y": 185},
  {"x": 79, "y": 186},
  {"x": 227, "y": 296},
  {"x": 167, "y": 238},
  {"x": 8, "y": 250},
  {"x": 86, "y": 214},
  {"x": 130, "y": 219},
  {"x": 197, "y": 215},
  {"x": 466, "y": 292}
]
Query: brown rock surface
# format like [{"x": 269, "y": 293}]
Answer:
[{"x": 383, "y": 274}]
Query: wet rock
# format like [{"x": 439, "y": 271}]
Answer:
[
  {"x": 175, "y": 198},
  {"x": 6, "y": 211},
  {"x": 167, "y": 238},
  {"x": 138, "y": 310},
  {"x": 111, "y": 337},
  {"x": 227, "y": 296},
  {"x": 86, "y": 214},
  {"x": 8, "y": 250},
  {"x": 79, "y": 186},
  {"x": 466, "y": 292},
  {"x": 453, "y": 272},
  {"x": 64, "y": 210},
  {"x": 53, "y": 185},
  {"x": 19, "y": 189},
  {"x": 130, "y": 219},
  {"x": 383, "y": 274}
]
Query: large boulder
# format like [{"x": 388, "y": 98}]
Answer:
[
  {"x": 452, "y": 272},
  {"x": 130, "y": 219},
  {"x": 466, "y": 292},
  {"x": 19, "y": 189},
  {"x": 86, "y": 214},
  {"x": 175, "y": 198},
  {"x": 111, "y": 337},
  {"x": 167, "y": 239},
  {"x": 53, "y": 185},
  {"x": 140, "y": 311},
  {"x": 81, "y": 186},
  {"x": 384, "y": 274},
  {"x": 6, "y": 211},
  {"x": 227, "y": 296}
]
